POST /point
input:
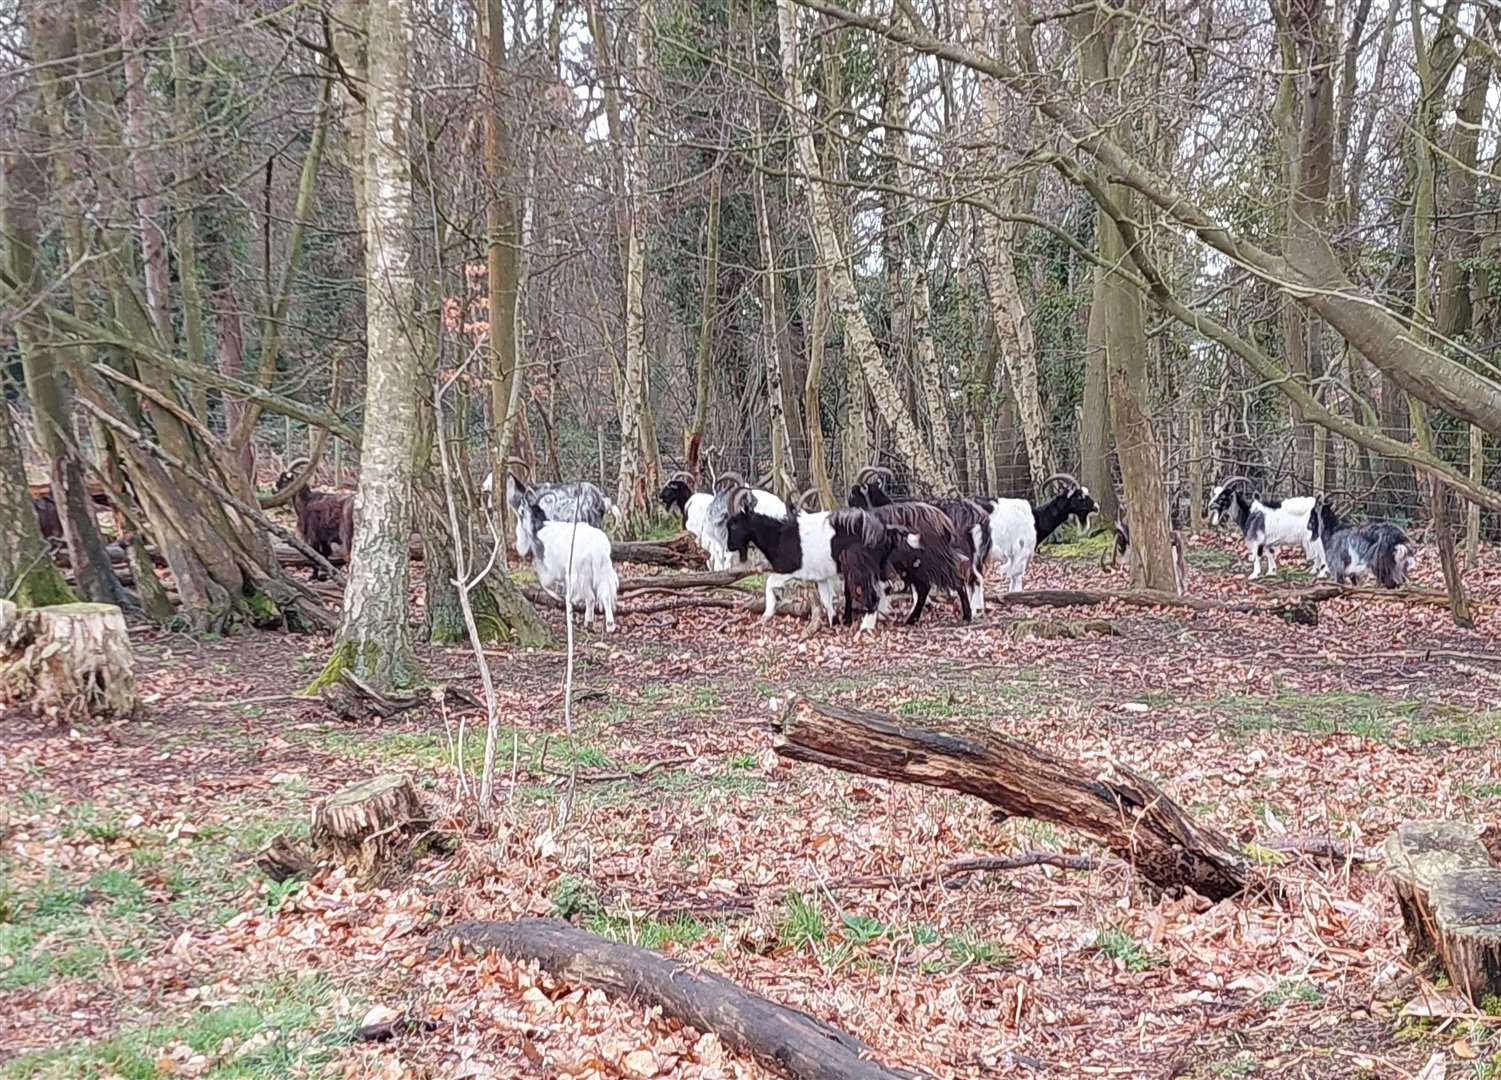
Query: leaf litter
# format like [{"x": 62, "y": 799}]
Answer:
[{"x": 130, "y": 847}]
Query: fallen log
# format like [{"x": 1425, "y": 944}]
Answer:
[
  {"x": 755, "y": 604},
  {"x": 786, "y": 1040},
  {"x": 681, "y": 550},
  {"x": 1449, "y": 893},
  {"x": 1121, "y": 809}
]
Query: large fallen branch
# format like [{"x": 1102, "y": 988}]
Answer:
[
  {"x": 753, "y": 604},
  {"x": 681, "y": 550},
  {"x": 1124, "y": 811},
  {"x": 789, "y": 1041}
]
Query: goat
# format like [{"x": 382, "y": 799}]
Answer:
[
  {"x": 1266, "y": 523},
  {"x": 940, "y": 558},
  {"x": 972, "y": 523},
  {"x": 572, "y": 554},
  {"x": 1378, "y": 547},
  {"x": 716, "y": 523},
  {"x": 1122, "y": 543},
  {"x": 324, "y": 518},
  {"x": 869, "y": 489},
  {"x": 560, "y": 500},
  {"x": 48, "y": 520},
  {"x": 820, "y": 547},
  {"x": 1017, "y": 527}
]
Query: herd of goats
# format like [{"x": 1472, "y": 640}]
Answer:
[
  {"x": 872, "y": 548},
  {"x": 877, "y": 545}
]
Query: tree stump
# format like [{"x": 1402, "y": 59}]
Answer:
[
  {"x": 283, "y": 859},
  {"x": 1449, "y": 893},
  {"x": 370, "y": 826},
  {"x": 69, "y": 660}
]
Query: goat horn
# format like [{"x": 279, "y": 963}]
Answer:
[
  {"x": 738, "y": 495},
  {"x": 727, "y": 480},
  {"x": 297, "y": 463},
  {"x": 516, "y": 462},
  {"x": 686, "y": 477},
  {"x": 810, "y": 494},
  {"x": 1059, "y": 476},
  {"x": 1225, "y": 483}
]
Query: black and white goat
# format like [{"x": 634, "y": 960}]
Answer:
[
  {"x": 324, "y": 518},
  {"x": 572, "y": 560},
  {"x": 560, "y": 500},
  {"x": 716, "y": 521},
  {"x": 1377, "y": 548},
  {"x": 822, "y": 547},
  {"x": 1017, "y": 526},
  {"x": 1266, "y": 523},
  {"x": 940, "y": 558}
]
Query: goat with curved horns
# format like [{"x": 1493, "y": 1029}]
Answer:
[
  {"x": 1266, "y": 523},
  {"x": 1017, "y": 526},
  {"x": 820, "y": 547},
  {"x": 870, "y": 487},
  {"x": 560, "y": 500},
  {"x": 716, "y": 539}
]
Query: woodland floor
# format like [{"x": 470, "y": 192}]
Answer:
[{"x": 138, "y": 940}]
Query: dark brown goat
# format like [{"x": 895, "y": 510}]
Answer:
[
  {"x": 324, "y": 518},
  {"x": 942, "y": 558}
]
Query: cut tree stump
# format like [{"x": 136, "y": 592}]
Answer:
[
  {"x": 370, "y": 826},
  {"x": 1449, "y": 893},
  {"x": 788, "y": 1041},
  {"x": 1121, "y": 809},
  {"x": 68, "y": 660}
]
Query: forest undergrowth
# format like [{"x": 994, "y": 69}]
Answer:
[{"x": 137, "y": 938}]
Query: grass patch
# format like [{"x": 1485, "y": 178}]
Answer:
[
  {"x": 1488, "y": 789},
  {"x": 572, "y": 895},
  {"x": 968, "y": 950},
  {"x": 801, "y": 922},
  {"x": 1293, "y": 991},
  {"x": 1233, "y": 1067},
  {"x": 1071, "y": 543},
  {"x": 1363, "y": 714},
  {"x": 276, "y": 1029},
  {"x": 431, "y": 751},
  {"x": 647, "y": 932},
  {"x": 1119, "y": 945}
]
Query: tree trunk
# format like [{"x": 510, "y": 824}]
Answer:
[
  {"x": 145, "y": 183},
  {"x": 846, "y": 300},
  {"x": 373, "y": 639},
  {"x": 783, "y": 460},
  {"x": 1094, "y": 419},
  {"x": 1113, "y": 804},
  {"x": 28, "y": 575},
  {"x": 636, "y": 486},
  {"x": 22, "y": 189},
  {"x": 707, "y": 310},
  {"x": 818, "y": 334},
  {"x": 1123, "y": 332},
  {"x": 71, "y": 661},
  {"x": 786, "y": 1041}
]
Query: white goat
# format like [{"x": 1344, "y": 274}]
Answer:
[{"x": 572, "y": 556}]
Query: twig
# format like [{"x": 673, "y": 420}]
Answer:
[{"x": 963, "y": 867}]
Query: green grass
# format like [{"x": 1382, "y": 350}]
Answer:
[
  {"x": 1488, "y": 789},
  {"x": 968, "y": 950},
  {"x": 647, "y": 932},
  {"x": 572, "y": 895},
  {"x": 1069, "y": 543},
  {"x": 276, "y": 1029},
  {"x": 1233, "y": 1067},
  {"x": 1359, "y": 713},
  {"x": 1293, "y": 991},
  {"x": 801, "y": 922},
  {"x": 1119, "y": 945},
  {"x": 430, "y": 750}
]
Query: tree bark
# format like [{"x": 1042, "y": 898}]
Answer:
[
  {"x": 373, "y": 639},
  {"x": 707, "y": 310},
  {"x": 369, "y": 825},
  {"x": 1113, "y": 804},
  {"x": 846, "y": 300},
  {"x": 818, "y": 334},
  {"x": 787, "y": 1041},
  {"x": 28, "y": 575},
  {"x": 72, "y": 661}
]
